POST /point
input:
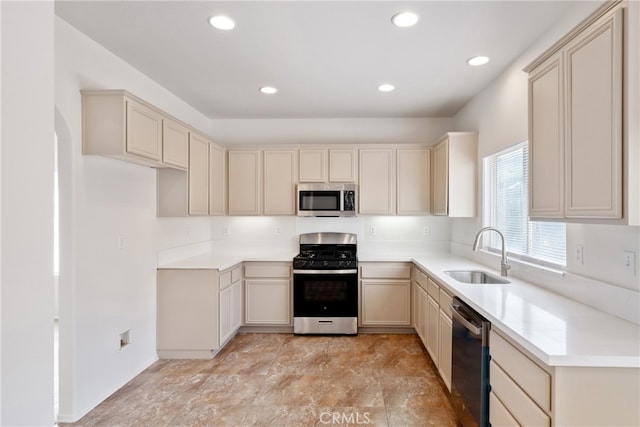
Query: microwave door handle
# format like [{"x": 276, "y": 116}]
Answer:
[{"x": 342, "y": 196}]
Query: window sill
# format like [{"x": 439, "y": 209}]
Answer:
[{"x": 527, "y": 265}]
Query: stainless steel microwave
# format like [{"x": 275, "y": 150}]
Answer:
[{"x": 327, "y": 199}]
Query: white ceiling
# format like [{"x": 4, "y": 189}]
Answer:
[{"x": 325, "y": 57}]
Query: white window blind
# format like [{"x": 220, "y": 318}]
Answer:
[{"x": 506, "y": 207}]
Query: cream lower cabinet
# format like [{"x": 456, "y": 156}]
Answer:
[
  {"x": 445, "y": 336},
  {"x": 575, "y": 123},
  {"x": 268, "y": 293},
  {"x": 231, "y": 303},
  {"x": 526, "y": 392},
  {"x": 198, "y": 311},
  {"x": 187, "y": 316},
  {"x": 433, "y": 322},
  {"x": 385, "y": 294}
]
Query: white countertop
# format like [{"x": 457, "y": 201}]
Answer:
[{"x": 555, "y": 329}]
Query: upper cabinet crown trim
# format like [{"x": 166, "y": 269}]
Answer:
[{"x": 600, "y": 12}]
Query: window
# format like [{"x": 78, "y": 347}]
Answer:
[{"x": 506, "y": 207}]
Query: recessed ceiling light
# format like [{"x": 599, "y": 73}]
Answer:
[
  {"x": 478, "y": 60},
  {"x": 404, "y": 19},
  {"x": 222, "y": 22},
  {"x": 386, "y": 87},
  {"x": 269, "y": 90}
]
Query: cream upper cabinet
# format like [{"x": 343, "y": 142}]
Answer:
[
  {"x": 279, "y": 181},
  {"x": 313, "y": 165},
  {"x": 144, "y": 131},
  {"x": 413, "y": 181},
  {"x": 333, "y": 165},
  {"x": 217, "y": 179},
  {"x": 377, "y": 181},
  {"x": 546, "y": 156},
  {"x": 575, "y": 124},
  {"x": 117, "y": 124},
  {"x": 175, "y": 144},
  {"x": 594, "y": 121},
  {"x": 198, "y": 175},
  {"x": 454, "y": 172},
  {"x": 343, "y": 165},
  {"x": 245, "y": 181}
]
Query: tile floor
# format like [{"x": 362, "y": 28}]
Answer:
[{"x": 286, "y": 380}]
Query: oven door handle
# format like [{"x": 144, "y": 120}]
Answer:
[
  {"x": 457, "y": 313},
  {"x": 352, "y": 271}
]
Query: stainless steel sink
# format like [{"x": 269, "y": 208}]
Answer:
[{"x": 475, "y": 276}]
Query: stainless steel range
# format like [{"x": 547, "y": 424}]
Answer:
[{"x": 325, "y": 284}]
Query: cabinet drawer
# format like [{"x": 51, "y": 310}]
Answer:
[
  {"x": 445, "y": 303},
  {"x": 499, "y": 416},
  {"x": 523, "y": 409},
  {"x": 236, "y": 274},
  {"x": 267, "y": 270},
  {"x": 225, "y": 280},
  {"x": 535, "y": 381},
  {"x": 433, "y": 290},
  {"x": 421, "y": 279},
  {"x": 386, "y": 271}
]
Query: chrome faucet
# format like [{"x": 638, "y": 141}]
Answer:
[{"x": 504, "y": 264}]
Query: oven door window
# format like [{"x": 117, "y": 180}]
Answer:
[
  {"x": 325, "y": 295},
  {"x": 319, "y": 200}
]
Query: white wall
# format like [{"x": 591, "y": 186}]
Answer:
[
  {"x": 499, "y": 114},
  {"x": 105, "y": 290},
  {"x": 330, "y": 131},
  {"x": 27, "y": 210}
]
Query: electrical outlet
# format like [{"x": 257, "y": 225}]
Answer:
[
  {"x": 121, "y": 242},
  {"x": 372, "y": 230},
  {"x": 278, "y": 231},
  {"x": 426, "y": 231},
  {"x": 629, "y": 261},
  {"x": 579, "y": 254},
  {"x": 226, "y": 230}
]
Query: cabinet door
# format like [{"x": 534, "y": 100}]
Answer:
[
  {"x": 198, "y": 175},
  {"x": 377, "y": 181},
  {"x": 445, "y": 330},
  {"x": 441, "y": 178},
  {"x": 217, "y": 173},
  {"x": 594, "y": 122},
  {"x": 175, "y": 144},
  {"x": 236, "y": 305},
  {"x": 342, "y": 165},
  {"x": 385, "y": 303},
  {"x": 268, "y": 302},
  {"x": 433, "y": 316},
  {"x": 546, "y": 140},
  {"x": 187, "y": 310},
  {"x": 413, "y": 181},
  {"x": 423, "y": 309},
  {"x": 225, "y": 314},
  {"x": 279, "y": 182},
  {"x": 144, "y": 131},
  {"x": 244, "y": 182},
  {"x": 313, "y": 165}
]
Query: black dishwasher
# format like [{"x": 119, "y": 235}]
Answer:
[{"x": 470, "y": 365}]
